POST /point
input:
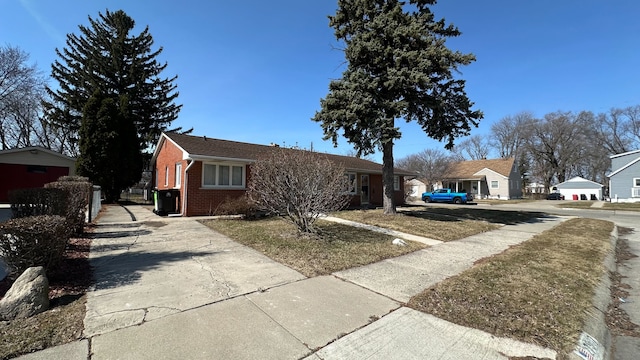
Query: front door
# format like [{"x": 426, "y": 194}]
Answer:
[{"x": 364, "y": 189}]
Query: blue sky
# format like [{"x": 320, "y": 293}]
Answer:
[{"x": 255, "y": 70}]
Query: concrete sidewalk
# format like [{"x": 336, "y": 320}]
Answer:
[{"x": 171, "y": 288}]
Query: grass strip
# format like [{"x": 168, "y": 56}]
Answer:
[
  {"x": 339, "y": 247},
  {"x": 537, "y": 292},
  {"x": 421, "y": 223}
]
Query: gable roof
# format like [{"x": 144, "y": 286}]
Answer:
[
  {"x": 470, "y": 169},
  {"x": 629, "y": 164},
  {"x": 35, "y": 150},
  {"x": 579, "y": 183},
  {"x": 202, "y": 147},
  {"x": 624, "y": 154}
]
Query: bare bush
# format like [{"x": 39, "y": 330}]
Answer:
[
  {"x": 33, "y": 241},
  {"x": 299, "y": 185},
  {"x": 237, "y": 206}
]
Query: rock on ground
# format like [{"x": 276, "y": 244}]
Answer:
[{"x": 28, "y": 296}]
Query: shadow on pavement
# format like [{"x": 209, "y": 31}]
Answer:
[
  {"x": 119, "y": 234},
  {"x": 491, "y": 216},
  {"x": 112, "y": 271}
]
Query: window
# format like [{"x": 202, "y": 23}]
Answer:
[
  {"x": 351, "y": 183},
  {"x": 396, "y": 183},
  {"x": 223, "y": 175},
  {"x": 166, "y": 176},
  {"x": 495, "y": 184},
  {"x": 37, "y": 169},
  {"x": 636, "y": 182},
  {"x": 178, "y": 175}
]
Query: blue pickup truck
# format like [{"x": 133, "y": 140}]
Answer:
[{"x": 447, "y": 195}]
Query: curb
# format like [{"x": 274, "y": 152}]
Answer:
[{"x": 595, "y": 340}]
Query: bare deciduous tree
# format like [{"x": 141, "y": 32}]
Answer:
[
  {"x": 300, "y": 185},
  {"x": 430, "y": 164},
  {"x": 555, "y": 144},
  {"x": 473, "y": 148},
  {"x": 508, "y": 135},
  {"x": 22, "y": 89}
]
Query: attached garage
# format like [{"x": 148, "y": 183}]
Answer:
[
  {"x": 31, "y": 167},
  {"x": 579, "y": 188}
]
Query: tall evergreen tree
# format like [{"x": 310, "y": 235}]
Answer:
[
  {"x": 109, "y": 86},
  {"x": 398, "y": 67},
  {"x": 109, "y": 151}
]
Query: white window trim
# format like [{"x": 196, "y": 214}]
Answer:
[
  {"x": 636, "y": 182},
  {"x": 178, "y": 175},
  {"x": 396, "y": 182},
  {"x": 497, "y": 184},
  {"x": 230, "y": 165}
]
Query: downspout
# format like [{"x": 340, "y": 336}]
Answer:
[{"x": 184, "y": 198}]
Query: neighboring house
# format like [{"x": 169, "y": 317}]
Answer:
[
  {"x": 204, "y": 172},
  {"x": 415, "y": 187},
  {"x": 535, "y": 188},
  {"x": 31, "y": 167},
  {"x": 578, "y": 188},
  {"x": 485, "y": 179},
  {"x": 624, "y": 179}
]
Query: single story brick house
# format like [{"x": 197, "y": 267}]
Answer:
[
  {"x": 204, "y": 172},
  {"x": 485, "y": 179},
  {"x": 31, "y": 167}
]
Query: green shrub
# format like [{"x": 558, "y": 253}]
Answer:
[
  {"x": 38, "y": 201},
  {"x": 33, "y": 241},
  {"x": 79, "y": 189}
]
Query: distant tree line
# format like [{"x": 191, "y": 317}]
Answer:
[{"x": 548, "y": 150}]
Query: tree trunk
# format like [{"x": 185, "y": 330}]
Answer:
[{"x": 388, "y": 202}]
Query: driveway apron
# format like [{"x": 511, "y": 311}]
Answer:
[{"x": 148, "y": 269}]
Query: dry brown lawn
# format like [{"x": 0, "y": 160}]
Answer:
[
  {"x": 537, "y": 292},
  {"x": 339, "y": 247},
  {"x": 419, "y": 222}
]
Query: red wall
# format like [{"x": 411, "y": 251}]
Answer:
[
  {"x": 16, "y": 176},
  {"x": 200, "y": 201}
]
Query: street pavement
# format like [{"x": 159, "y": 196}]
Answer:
[{"x": 172, "y": 288}]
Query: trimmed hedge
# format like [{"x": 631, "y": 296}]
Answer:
[
  {"x": 38, "y": 201},
  {"x": 33, "y": 241},
  {"x": 79, "y": 190}
]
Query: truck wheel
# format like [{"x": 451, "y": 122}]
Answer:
[
  {"x": 457, "y": 200},
  {"x": 427, "y": 199}
]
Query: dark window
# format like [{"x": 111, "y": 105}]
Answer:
[{"x": 37, "y": 169}]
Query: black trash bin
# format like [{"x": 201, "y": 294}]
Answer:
[{"x": 167, "y": 201}]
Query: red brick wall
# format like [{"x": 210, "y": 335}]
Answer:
[
  {"x": 202, "y": 201},
  {"x": 168, "y": 157}
]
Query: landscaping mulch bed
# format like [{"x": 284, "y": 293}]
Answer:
[{"x": 63, "y": 322}]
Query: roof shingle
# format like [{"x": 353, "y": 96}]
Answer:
[
  {"x": 216, "y": 148},
  {"x": 468, "y": 169}
]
